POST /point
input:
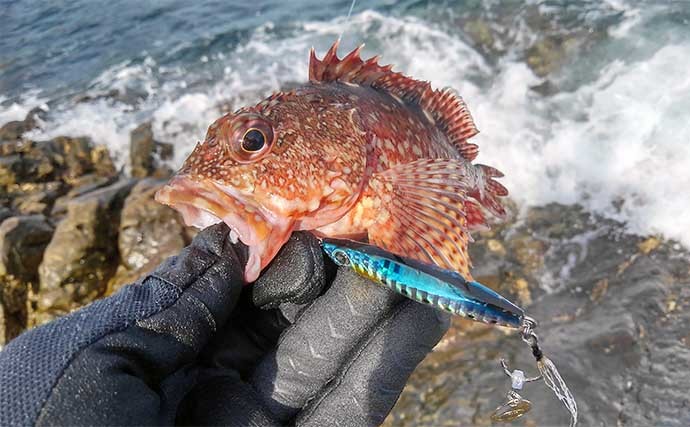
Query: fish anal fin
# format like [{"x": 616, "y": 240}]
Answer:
[
  {"x": 447, "y": 109},
  {"x": 423, "y": 214}
]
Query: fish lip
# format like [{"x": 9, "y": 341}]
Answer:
[{"x": 203, "y": 203}]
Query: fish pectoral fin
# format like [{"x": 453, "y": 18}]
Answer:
[{"x": 423, "y": 212}]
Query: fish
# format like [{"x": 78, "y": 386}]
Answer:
[
  {"x": 446, "y": 290},
  {"x": 359, "y": 151}
]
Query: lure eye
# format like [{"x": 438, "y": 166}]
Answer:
[
  {"x": 254, "y": 140},
  {"x": 341, "y": 258}
]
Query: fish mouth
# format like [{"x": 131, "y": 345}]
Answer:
[{"x": 204, "y": 203}]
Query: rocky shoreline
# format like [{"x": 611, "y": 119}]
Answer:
[
  {"x": 612, "y": 306},
  {"x": 72, "y": 227}
]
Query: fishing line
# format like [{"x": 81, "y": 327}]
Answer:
[{"x": 347, "y": 19}]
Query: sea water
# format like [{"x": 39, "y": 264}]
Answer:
[{"x": 577, "y": 101}]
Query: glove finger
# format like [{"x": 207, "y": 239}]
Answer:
[
  {"x": 209, "y": 271},
  {"x": 249, "y": 334},
  {"x": 370, "y": 383},
  {"x": 325, "y": 337},
  {"x": 295, "y": 276},
  {"x": 222, "y": 399},
  {"x": 208, "y": 277}
]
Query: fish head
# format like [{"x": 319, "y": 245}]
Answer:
[{"x": 264, "y": 175}]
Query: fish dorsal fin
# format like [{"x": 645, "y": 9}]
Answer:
[
  {"x": 446, "y": 108},
  {"x": 423, "y": 212}
]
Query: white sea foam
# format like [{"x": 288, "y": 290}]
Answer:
[
  {"x": 19, "y": 109},
  {"x": 620, "y": 144}
]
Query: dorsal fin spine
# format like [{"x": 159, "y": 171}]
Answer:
[{"x": 447, "y": 109}]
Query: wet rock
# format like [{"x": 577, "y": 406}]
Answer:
[
  {"x": 36, "y": 198},
  {"x": 82, "y": 255},
  {"x": 129, "y": 96},
  {"x": 546, "y": 88},
  {"x": 5, "y": 213},
  {"x": 149, "y": 233},
  {"x": 82, "y": 185},
  {"x": 141, "y": 148},
  {"x": 617, "y": 334},
  {"x": 78, "y": 156},
  {"x": 21, "y": 162},
  {"x": 482, "y": 35},
  {"x": 145, "y": 153},
  {"x": 60, "y": 159},
  {"x": 13, "y": 131},
  {"x": 550, "y": 53},
  {"x": 22, "y": 242}
]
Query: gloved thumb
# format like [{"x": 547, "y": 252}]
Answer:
[
  {"x": 295, "y": 276},
  {"x": 209, "y": 275}
]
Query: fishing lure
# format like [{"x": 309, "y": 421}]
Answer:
[{"x": 450, "y": 291}]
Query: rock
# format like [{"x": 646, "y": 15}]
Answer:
[
  {"x": 481, "y": 34},
  {"x": 10, "y": 168},
  {"x": 37, "y": 198},
  {"x": 82, "y": 255},
  {"x": 551, "y": 52},
  {"x": 12, "y": 309},
  {"x": 544, "y": 56},
  {"x": 21, "y": 163},
  {"x": 22, "y": 242},
  {"x": 129, "y": 96},
  {"x": 145, "y": 153},
  {"x": 149, "y": 233},
  {"x": 141, "y": 149},
  {"x": 5, "y": 213},
  {"x": 13, "y": 131},
  {"x": 78, "y": 156},
  {"x": 613, "y": 317},
  {"x": 60, "y": 159},
  {"x": 546, "y": 88},
  {"x": 82, "y": 185}
]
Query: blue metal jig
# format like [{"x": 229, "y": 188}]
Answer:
[{"x": 425, "y": 283}]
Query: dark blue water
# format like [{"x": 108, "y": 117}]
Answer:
[
  {"x": 577, "y": 101},
  {"x": 60, "y": 46}
]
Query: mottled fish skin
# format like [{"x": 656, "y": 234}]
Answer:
[{"x": 359, "y": 150}]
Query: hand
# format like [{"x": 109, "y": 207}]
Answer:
[{"x": 189, "y": 345}]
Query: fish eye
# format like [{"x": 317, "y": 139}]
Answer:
[
  {"x": 247, "y": 137},
  {"x": 253, "y": 140}
]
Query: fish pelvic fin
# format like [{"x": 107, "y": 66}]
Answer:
[
  {"x": 444, "y": 107},
  {"x": 423, "y": 213}
]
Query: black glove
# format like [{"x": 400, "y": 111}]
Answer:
[{"x": 188, "y": 345}]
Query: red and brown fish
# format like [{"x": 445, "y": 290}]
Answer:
[{"x": 359, "y": 150}]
